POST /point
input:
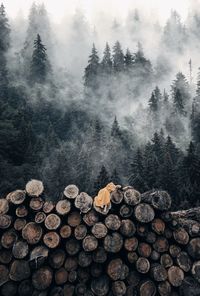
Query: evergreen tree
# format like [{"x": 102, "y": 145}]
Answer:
[
  {"x": 191, "y": 164},
  {"x": 40, "y": 66},
  {"x": 107, "y": 61},
  {"x": 4, "y": 31},
  {"x": 102, "y": 180},
  {"x": 128, "y": 59},
  {"x": 115, "y": 178},
  {"x": 136, "y": 178},
  {"x": 4, "y": 46},
  {"x": 180, "y": 94},
  {"x": 142, "y": 66},
  {"x": 168, "y": 175},
  {"x": 155, "y": 100},
  {"x": 115, "y": 131},
  {"x": 118, "y": 57},
  {"x": 92, "y": 70}
]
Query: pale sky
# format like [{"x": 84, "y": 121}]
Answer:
[{"x": 116, "y": 8}]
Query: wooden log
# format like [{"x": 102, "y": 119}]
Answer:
[
  {"x": 164, "y": 289},
  {"x": 184, "y": 261},
  {"x": 99, "y": 230},
  {"x": 34, "y": 188},
  {"x": 4, "y": 274},
  {"x": 144, "y": 213},
  {"x": 96, "y": 270},
  {"x": 116, "y": 196},
  {"x": 158, "y": 272},
  {"x": 71, "y": 191},
  {"x": 196, "y": 270},
  {"x": 56, "y": 291},
  {"x": 61, "y": 276},
  {"x": 20, "y": 249},
  {"x": 150, "y": 237},
  {"x": 187, "y": 214},
  {"x": 51, "y": 239},
  {"x": 80, "y": 289},
  {"x": 161, "y": 245},
  {"x": 39, "y": 293},
  {"x": 83, "y": 202},
  {"x": 36, "y": 203},
  {"x": 142, "y": 265},
  {"x": 193, "y": 248},
  {"x": 126, "y": 211},
  {"x": 74, "y": 219},
  {"x": 57, "y": 258},
  {"x": 191, "y": 226},
  {"x": 72, "y": 276},
  {"x": 119, "y": 288},
  {"x": 16, "y": 197},
  {"x": 32, "y": 233},
  {"x": 63, "y": 207},
  {"x": 80, "y": 232},
  {"x": 99, "y": 255},
  {"x": 166, "y": 260},
  {"x": 19, "y": 270},
  {"x": 5, "y": 221},
  {"x": 175, "y": 276},
  {"x": 52, "y": 222},
  {"x": 158, "y": 226},
  {"x": 131, "y": 244},
  {"x": 5, "y": 256},
  {"x": 147, "y": 288},
  {"x": 72, "y": 246},
  {"x": 190, "y": 286},
  {"x": 40, "y": 217},
  {"x": 127, "y": 228},
  {"x": 113, "y": 242},
  {"x": 160, "y": 200},
  {"x": 100, "y": 286},
  {"x": 9, "y": 289},
  {"x": 21, "y": 211},
  {"x": 84, "y": 259},
  {"x": 114, "y": 269},
  {"x": 91, "y": 218},
  {"x": 25, "y": 288},
  {"x": 69, "y": 290},
  {"x": 38, "y": 255},
  {"x": 42, "y": 278},
  {"x": 142, "y": 230},
  {"x": 8, "y": 238},
  {"x": 48, "y": 207},
  {"x": 174, "y": 250},
  {"x": 144, "y": 250},
  {"x": 90, "y": 243},
  {"x": 103, "y": 210},
  {"x": 168, "y": 233},
  {"x": 155, "y": 256},
  {"x": 181, "y": 236},
  {"x": 83, "y": 275},
  {"x": 112, "y": 222},
  {"x": 19, "y": 224},
  {"x": 71, "y": 264},
  {"x": 4, "y": 206},
  {"x": 65, "y": 231},
  {"x": 132, "y": 257},
  {"x": 131, "y": 196},
  {"x": 133, "y": 278}
]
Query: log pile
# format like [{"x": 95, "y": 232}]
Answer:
[{"x": 71, "y": 248}]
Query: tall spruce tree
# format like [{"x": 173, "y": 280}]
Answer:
[
  {"x": 102, "y": 180},
  {"x": 4, "y": 46},
  {"x": 40, "y": 66},
  {"x": 136, "y": 178},
  {"x": 92, "y": 70},
  {"x": 118, "y": 58},
  {"x": 106, "y": 60},
  {"x": 115, "y": 130},
  {"x": 180, "y": 94},
  {"x": 128, "y": 59}
]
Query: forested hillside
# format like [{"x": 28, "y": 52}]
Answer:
[{"x": 126, "y": 119}]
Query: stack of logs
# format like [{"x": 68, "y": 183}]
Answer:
[{"x": 137, "y": 247}]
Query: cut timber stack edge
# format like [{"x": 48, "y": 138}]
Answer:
[{"x": 71, "y": 247}]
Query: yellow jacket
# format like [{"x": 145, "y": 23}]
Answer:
[{"x": 103, "y": 197}]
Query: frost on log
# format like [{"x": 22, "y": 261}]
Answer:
[{"x": 136, "y": 247}]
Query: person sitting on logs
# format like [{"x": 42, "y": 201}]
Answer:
[{"x": 102, "y": 200}]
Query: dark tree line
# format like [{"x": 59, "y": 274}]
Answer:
[{"x": 72, "y": 144}]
